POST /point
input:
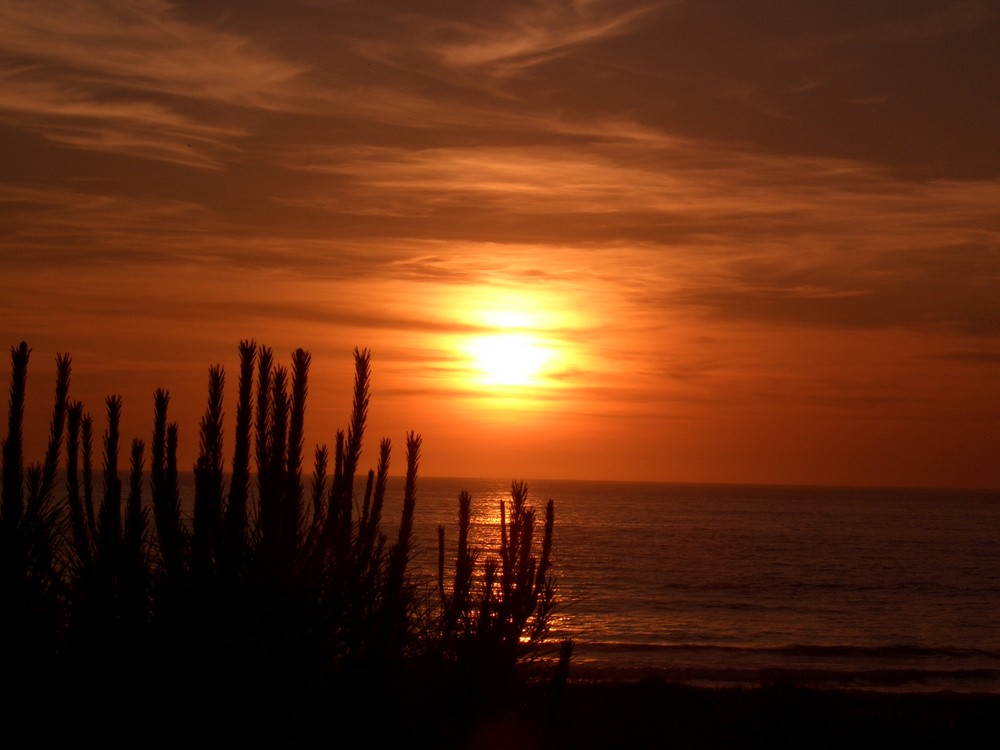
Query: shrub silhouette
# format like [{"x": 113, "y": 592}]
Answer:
[
  {"x": 277, "y": 600},
  {"x": 29, "y": 533},
  {"x": 487, "y": 626}
]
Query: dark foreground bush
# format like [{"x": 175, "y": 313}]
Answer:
[{"x": 281, "y": 612}]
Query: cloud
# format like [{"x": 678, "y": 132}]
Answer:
[
  {"x": 497, "y": 38},
  {"x": 51, "y": 226},
  {"x": 944, "y": 19},
  {"x": 975, "y": 357},
  {"x": 926, "y": 289},
  {"x": 534, "y": 33},
  {"x": 133, "y": 77},
  {"x": 66, "y": 114},
  {"x": 663, "y": 226},
  {"x": 143, "y": 46},
  {"x": 673, "y": 194},
  {"x": 920, "y": 269}
]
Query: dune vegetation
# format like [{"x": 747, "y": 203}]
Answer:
[{"x": 279, "y": 607}]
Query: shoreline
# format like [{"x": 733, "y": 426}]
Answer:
[
  {"x": 875, "y": 679},
  {"x": 540, "y": 714}
]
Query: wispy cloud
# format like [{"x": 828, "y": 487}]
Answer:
[
  {"x": 132, "y": 77},
  {"x": 533, "y": 33},
  {"x": 69, "y": 114},
  {"x": 52, "y": 226},
  {"x": 500, "y": 38},
  {"x": 672, "y": 194},
  {"x": 144, "y": 46}
]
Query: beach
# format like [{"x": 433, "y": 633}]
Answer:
[{"x": 652, "y": 713}]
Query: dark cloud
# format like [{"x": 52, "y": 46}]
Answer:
[
  {"x": 972, "y": 357},
  {"x": 941, "y": 288}
]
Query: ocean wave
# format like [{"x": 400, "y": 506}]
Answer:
[
  {"x": 892, "y": 651},
  {"x": 904, "y": 679},
  {"x": 898, "y": 667}
]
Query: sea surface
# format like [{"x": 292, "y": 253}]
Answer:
[
  {"x": 889, "y": 589},
  {"x": 720, "y": 585}
]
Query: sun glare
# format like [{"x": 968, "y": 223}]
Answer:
[
  {"x": 512, "y": 359},
  {"x": 520, "y": 346}
]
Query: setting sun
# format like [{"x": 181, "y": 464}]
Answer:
[
  {"x": 519, "y": 346},
  {"x": 510, "y": 359}
]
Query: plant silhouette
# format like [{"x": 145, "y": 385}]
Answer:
[{"x": 278, "y": 601}]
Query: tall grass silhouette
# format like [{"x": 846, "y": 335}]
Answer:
[{"x": 283, "y": 597}]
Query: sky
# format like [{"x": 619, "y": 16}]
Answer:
[{"x": 701, "y": 240}]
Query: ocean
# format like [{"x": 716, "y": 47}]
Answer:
[{"x": 718, "y": 585}]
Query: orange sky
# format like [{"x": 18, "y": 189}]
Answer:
[{"x": 719, "y": 241}]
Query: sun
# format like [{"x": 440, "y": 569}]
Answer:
[
  {"x": 516, "y": 350},
  {"x": 509, "y": 359}
]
